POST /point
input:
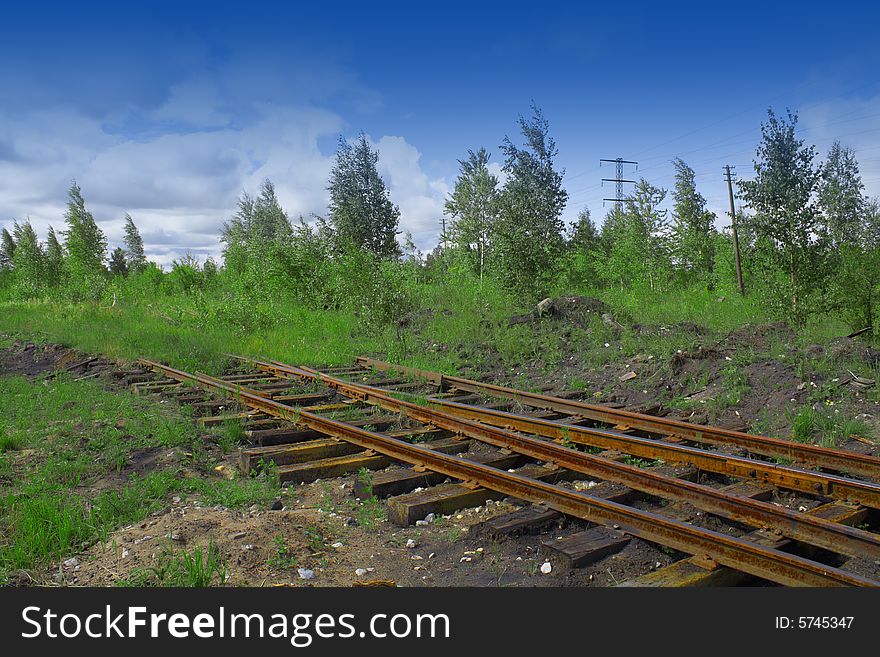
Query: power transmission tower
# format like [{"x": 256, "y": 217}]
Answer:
[
  {"x": 618, "y": 179},
  {"x": 728, "y": 176}
]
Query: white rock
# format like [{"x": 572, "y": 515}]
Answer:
[
  {"x": 430, "y": 517},
  {"x": 305, "y": 573},
  {"x": 70, "y": 563},
  {"x": 360, "y": 572},
  {"x": 546, "y": 568},
  {"x": 337, "y": 545},
  {"x": 421, "y": 523},
  {"x": 411, "y": 543}
]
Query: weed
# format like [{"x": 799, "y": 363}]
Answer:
[
  {"x": 315, "y": 538},
  {"x": 828, "y": 425},
  {"x": 233, "y": 434},
  {"x": 281, "y": 557},
  {"x": 370, "y": 512},
  {"x": 200, "y": 569},
  {"x": 365, "y": 477}
]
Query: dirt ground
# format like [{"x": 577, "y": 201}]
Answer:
[{"x": 328, "y": 548}]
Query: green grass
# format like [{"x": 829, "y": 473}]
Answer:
[
  {"x": 281, "y": 558},
  {"x": 75, "y": 433},
  {"x": 828, "y": 426},
  {"x": 199, "y": 569},
  {"x": 463, "y": 324}
]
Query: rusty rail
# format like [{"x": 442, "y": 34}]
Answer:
[
  {"x": 757, "y": 560},
  {"x": 812, "y": 455},
  {"x": 815, "y": 531},
  {"x": 815, "y": 483}
]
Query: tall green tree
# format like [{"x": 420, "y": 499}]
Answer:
[
  {"x": 269, "y": 222},
  {"x": 693, "y": 226},
  {"x": 637, "y": 238},
  {"x": 29, "y": 259},
  {"x": 118, "y": 263},
  {"x": 782, "y": 195},
  {"x": 360, "y": 207},
  {"x": 7, "y": 249},
  {"x": 84, "y": 241},
  {"x": 135, "y": 259},
  {"x": 473, "y": 206},
  {"x": 528, "y": 238},
  {"x": 584, "y": 233},
  {"x": 234, "y": 235},
  {"x": 841, "y": 195},
  {"x": 856, "y": 281},
  {"x": 54, "y": 258}
]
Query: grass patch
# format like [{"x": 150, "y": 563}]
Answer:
[
  {"x": 200, "y": 568},
  {"x": 828, "y": 426},
  {"x": 77, "y": 433}
]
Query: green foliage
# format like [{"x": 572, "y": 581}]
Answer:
[
  {"x": 86, "y": 248},
  {"x": 635, "y": 241},
  {"x": 370, "y": 512},
  {"x": 54, "y": 259},
  {"x": 841, "y": 196},
  {"x": 7, "y": 249},
  {"x": 118, "y": 264},
  {"x": 693, "y": 229},
  {"x": 135, "y": 259},
  {"x": 360, "y": 209},
  {"x": 527, "y": 239},
  {"x": 29, "y": 261},
  {"x": 473, "y": 206},
  {"x": 782, "y": 196}
]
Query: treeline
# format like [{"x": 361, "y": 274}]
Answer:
[{"x": 809, "y": 237}]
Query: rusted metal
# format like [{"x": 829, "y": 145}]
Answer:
[
  {"x": 783, "y": 476},
  {"x": 829, "y": 535},
  {"x": 763, "y": 562},
  {"x": 822, "y": 457}
]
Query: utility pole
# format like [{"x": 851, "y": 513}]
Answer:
[
  {"x": 739, "y": 273},
  {"x": 618, "y": 179}
]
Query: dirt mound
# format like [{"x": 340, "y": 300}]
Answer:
[
  {"x": 574, "y": 310},
  {"x": 29, "y": 359},
  {"x": 761, "y": 336}
]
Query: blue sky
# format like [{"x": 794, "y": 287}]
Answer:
[{"x": 169, "y": 111}]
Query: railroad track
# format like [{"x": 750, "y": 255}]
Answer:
[{"x": 561, "y": 437}]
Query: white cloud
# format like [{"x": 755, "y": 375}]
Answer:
[
  {"x": 853, "y": 122},
  {"x": 180, "y": 184},
  {"x": 420, "y": 199}
]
